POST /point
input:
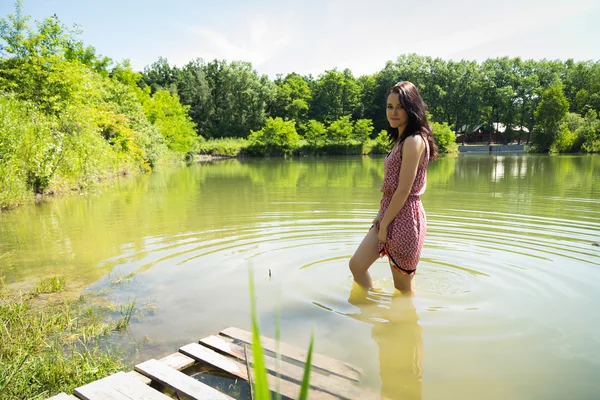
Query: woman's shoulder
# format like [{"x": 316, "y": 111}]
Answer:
[{"x": 415, "y": 141}]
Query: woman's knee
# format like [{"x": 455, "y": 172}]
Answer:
[{"x": 356, "y": 266}]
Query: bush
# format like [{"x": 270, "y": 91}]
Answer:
[
  {"x": 315, "y": 133},
  {"x": 340, "y": 131},
  {"x": 565, "y": 140},
  {"x": 590, "y": 132},
  {"x": 38, "y": 151},
  {"x": 278, "y": 137},
  {"x": 382, "y": 143},
  {"x": 230, "y": 147},
  {"x": 444, "y": 137},
  {"x": 362, "y": 130},
  {"x": 172, "y": 120}
]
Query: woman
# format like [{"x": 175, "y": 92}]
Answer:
[{"x": 401, "y": 224}]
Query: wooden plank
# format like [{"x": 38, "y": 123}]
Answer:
[
  {"x": 329, "y": 364},
  {"x": 119, "y": 386},
  {"x": 332, "y": 384},
  {"x": 215, "y": 359},
  {"x": 139, "y": 377},
  {"x": 178, "y": 361},
  {"x": 240, "y": 370},
  {"x": 178, "y": 381},
  {"x": 62, "y": 396}
]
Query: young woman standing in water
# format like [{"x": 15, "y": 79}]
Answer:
[{"x": 400, "y": 226}]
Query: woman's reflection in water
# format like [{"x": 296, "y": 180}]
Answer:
[{"x": 398, "y": 335}]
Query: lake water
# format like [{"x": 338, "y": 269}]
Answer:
[{"x": 508, "y": 288}]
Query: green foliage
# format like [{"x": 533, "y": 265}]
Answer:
[
  {"x": 226, "y": 147},
  {"x": 37, "y": 151},
  {"x": 160, "y": 76},
  {"x": 315, "y": 133},
  {"x": 550, "y": 111},
  {"x": 305, "y": 384},
  {"x": 172, "y": 120},
  {"x": 278, "y": 137},
  {"x": 590, "y": 132},
  {"x": 568, "y": 138},
  {"x": 53, "y": 284},
  {"x": 292, "y": 98},
  {"x": 362, "y": 130},
  {"x": 565, "y": 140},
  {"x": 382, "y": 143},
  {"x": 229, "y": 100},
  {"x": 68, "y": 122},
  {"x": 340, "y": 131},
  {"x": 335, "y": 95},
  {"x": 444, "y": 137},
  {"x": 237, "y": 101}
]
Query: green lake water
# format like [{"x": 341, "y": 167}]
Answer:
[{"x": 508, "y": 288}]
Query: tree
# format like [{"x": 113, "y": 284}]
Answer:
[
  {"x": 160, "y": 76},
  {"x": 552, "y": 109},
  {"x": 194, "y": 91},
  {"x": 336, "y": 94},
  {"x": 172, "y": 120},
  {"x": 368, "y": 102},
  {"x": 238, "y": 98},
  {"x": 499, "y": 92},
  {"x": 292, "y": 98}
]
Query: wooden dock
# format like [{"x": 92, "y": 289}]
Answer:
[{"x": 226, "y": 353}]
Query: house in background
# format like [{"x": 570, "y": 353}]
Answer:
[{"x": 497, "y": 133}]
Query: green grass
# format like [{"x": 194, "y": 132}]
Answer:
[
  {"x": 52, "y": 346},
  {"x": 229, "y": 147},
  {"x": 54, "y": 284},
  {"x": 259, "y": 387}
]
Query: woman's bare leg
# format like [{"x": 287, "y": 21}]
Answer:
[
  {"x": 366, "y": 254},
  {"x": 404, "y": 283}
]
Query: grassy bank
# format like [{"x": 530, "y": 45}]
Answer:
[
  {"x": 52, "y": 341},
  {"x": 231, "y": 148}
]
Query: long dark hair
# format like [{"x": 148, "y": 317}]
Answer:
[{"x": 415, "y": 107}]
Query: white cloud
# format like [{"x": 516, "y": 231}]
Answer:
[
  {"x": 258, "y": 42},
  {"x": 314, "y": 36},
  {"x": 502, "y": 24}
]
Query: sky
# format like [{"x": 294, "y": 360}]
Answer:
[{"x": 312, "y": 36}]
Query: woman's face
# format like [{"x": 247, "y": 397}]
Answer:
[{"x": 396, "y": 114}]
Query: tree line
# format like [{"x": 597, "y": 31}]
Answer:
[
  {"x": 70, "y": 117},
  {"x": 534, "y": 100}
]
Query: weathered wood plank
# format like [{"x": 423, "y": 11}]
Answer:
[
  {"x": 62, "y": 396},
  {"x": 178, "y": 381},
  {"x": 332, "y": 384},
  {"x": 329, "y": 364},
  {"x": 139, "y": 377},
  {"x": 119, "y": 386},
  {"x": 215, "y": 359},
  {"x": 240, "y": 370},
  {"x": 178, "y": 361}
]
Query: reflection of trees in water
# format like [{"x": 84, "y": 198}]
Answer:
[{"x": 399, "y": 338}]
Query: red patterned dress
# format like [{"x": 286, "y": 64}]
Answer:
[{"x": 406, "y": 232}]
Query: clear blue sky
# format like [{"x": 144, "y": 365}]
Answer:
[{"x": 311, "y": 36}]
